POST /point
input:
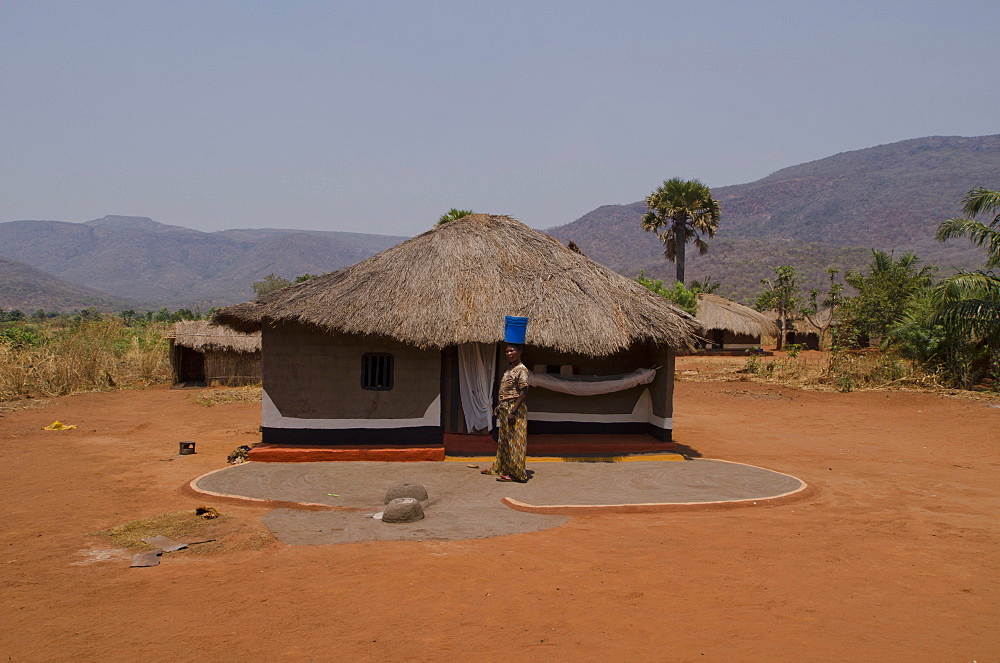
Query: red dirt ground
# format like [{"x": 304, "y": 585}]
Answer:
[{"x": 894, "y": 559}]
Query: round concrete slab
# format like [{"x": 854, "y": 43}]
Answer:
[{"x": 464, "y": 504}]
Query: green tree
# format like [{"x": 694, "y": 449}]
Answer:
[
  {"x": 884, "y": 293},
  {"x": 38, "y": 315},
  {"x": 269, "y": 283},
  {"x": 977, "y": 201},
  {"x": 968, "y": 303},
  {"x": 921, "y": 335},
  {"x": 708, "y": 286},
  {"x": 681, "y": 212},
  {"x": 781, "y": 295},
  {"x": 453, "y": 215},
  {"x": 814, "y": 310},
  {"x": 971, "y": 300},
  {"x": 678, "y": 294}
]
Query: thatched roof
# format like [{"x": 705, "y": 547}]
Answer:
[
  {"x": 801, "y": 323},
  {"x": 455, "y": 283},
  {"x": 201, "y": 335},
  {"x": 716, "y": 312}
]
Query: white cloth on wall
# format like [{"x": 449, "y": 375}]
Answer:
[
  {"x": 476, "y": 370},
  {"x": 591, "y": 385}
]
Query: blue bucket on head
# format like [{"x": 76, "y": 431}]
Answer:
[{"x": 515, "y": 329}]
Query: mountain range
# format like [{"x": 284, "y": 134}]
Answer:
[
  {"x": 151, "y": 264},
  {"x": 28, "y": 289},
  {"x": 825, "y": 213}
]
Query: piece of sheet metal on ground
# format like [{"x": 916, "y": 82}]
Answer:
[
  {"x": 148, "y": 558},
  {"x": 164, "y": 543}
]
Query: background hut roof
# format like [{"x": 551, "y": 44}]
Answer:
[
  {"x": 201, "y": 335},
  {"x": 716, "y": 312},
  {"x": 801, "y": 323},
  {"x": 455, "y": 283}
]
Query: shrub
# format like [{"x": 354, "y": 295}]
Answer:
[
  {"x": 678, "y": 294},
  {"x": 56, "y": 358},
  {"x": 793, "y": 349}
]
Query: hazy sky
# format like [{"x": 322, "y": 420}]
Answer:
[{"x": 378, "y": 116}]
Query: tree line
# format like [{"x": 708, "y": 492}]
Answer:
[
  {"x": 129, "y": 316},
  {"x": 951, "y": 327}
]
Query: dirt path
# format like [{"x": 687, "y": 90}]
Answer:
[{"x": 894, "y": 559}]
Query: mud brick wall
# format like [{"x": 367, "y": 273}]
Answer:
[{"x": 313, "y": 375}]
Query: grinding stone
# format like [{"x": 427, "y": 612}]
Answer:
[
  {"x": 414, "y": 490},
  {"x": 403, "y": 510}
]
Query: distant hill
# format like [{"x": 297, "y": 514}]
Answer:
[
  {"x": 160, "y": 265},
  {"x": 823, "y": 213},
  {"x": 28, "y": 289},
  {"x": 612, "y": 235}
]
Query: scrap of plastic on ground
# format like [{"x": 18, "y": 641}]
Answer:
[{"x": 58, "y": 425}]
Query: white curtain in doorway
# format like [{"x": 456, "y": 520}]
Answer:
[{"x": 476, "y": 370}]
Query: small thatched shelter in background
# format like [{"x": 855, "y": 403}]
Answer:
[
  {"x": 214, "y": 354},
  {"x": 382, "y": 352},
  {"x": 802, "y": 330},
  {"x": 732, "y": 326}
]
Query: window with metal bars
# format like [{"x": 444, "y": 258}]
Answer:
[{"x": 376, "y": 371}]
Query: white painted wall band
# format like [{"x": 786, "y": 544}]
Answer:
[
  {"x": 272, "y": 418},
  {"x": 642, "y": 412}
]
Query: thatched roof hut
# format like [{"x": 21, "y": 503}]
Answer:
[
  {"x": 455, "y": 283},
  {"x": 203, "y": 352},
  {"x": 719, "y": 313},
  {"x": 804, "y": 330},
  {"x": 201, "y": 335},
  {"x": 401, "y": 348}
]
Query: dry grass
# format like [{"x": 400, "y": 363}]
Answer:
[
  {"x": 843, "y": 372},
  {"x": 866, "y": 371},
  {"x": 226, "y": 395},
  {"x": 230, "y": 533},
  {"x": 26, "y": 404},
  {"x": 97, "y": 355},
  {"x": 180, "y": 525}
]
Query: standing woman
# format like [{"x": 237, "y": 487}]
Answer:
[{"x": 512, "y": 420}]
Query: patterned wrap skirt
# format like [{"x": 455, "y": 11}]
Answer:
[{"x": 512, "y": 442}]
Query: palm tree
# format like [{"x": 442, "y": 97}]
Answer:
[
  {"x": 681, "y": 211},
  {"x": 453, "y": 215},
  {"x": 975, "y": 202},
  {"x": 969, "y": 302},
  {"x": 708, "y": 286}
]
